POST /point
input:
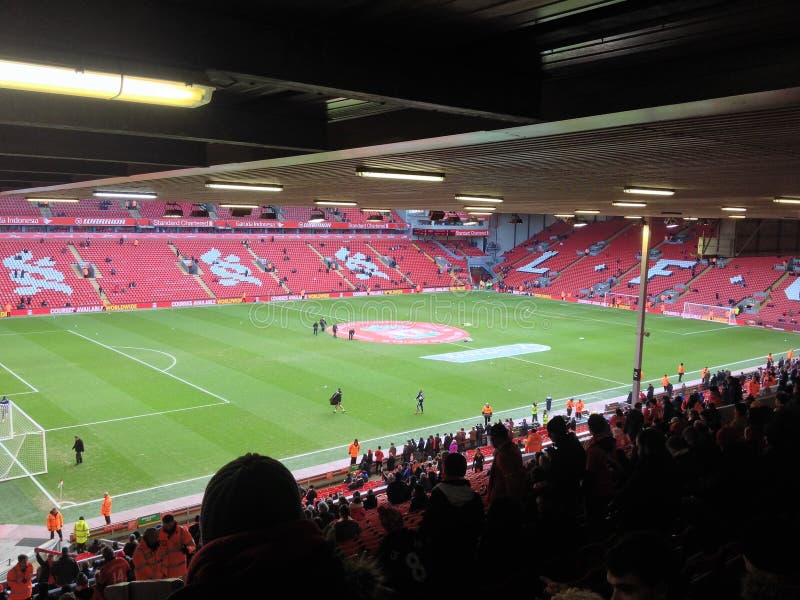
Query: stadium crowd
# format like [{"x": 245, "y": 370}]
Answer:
[{"x": 668, "y": 498}]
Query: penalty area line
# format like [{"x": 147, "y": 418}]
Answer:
[
  {"x": 148, "y": 365},
  {"x": 141, "y": 416},
  {"x": 33, "y": 389}
]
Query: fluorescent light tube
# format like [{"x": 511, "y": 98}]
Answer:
[
  {"x": 648, "y": 191},
  {"x": 31, "y": 77},
  {"x": 392, "y": 174}
]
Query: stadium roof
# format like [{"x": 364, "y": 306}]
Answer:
[{"x": 553, "y": 105}]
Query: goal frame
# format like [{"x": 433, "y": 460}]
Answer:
[
  {"x": 18, "y": 433},
  {"x": 709, "y": 312},
  {"x": 629, "y": 300}
]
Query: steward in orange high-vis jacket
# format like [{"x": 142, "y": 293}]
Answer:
[{"x": 176, "y": 545}]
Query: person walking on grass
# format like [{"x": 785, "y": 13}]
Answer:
[
  {"x": 336, "y": 401},
  {"x": 420, "y": 400},
  {"x": 79, "y": 450}
]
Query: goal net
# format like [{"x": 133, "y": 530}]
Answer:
[
  {"x": 618, "y": 300},
  {"x": 23, "y": 450},
  {"x": 707, "y": 312}
]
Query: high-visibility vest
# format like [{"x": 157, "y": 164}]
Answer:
[
  {"x": 81, "y": 531},
  {"x": 173, "y": 561},
  {"x": 54, "y": 521},
  {"x": 147, "y": 563},
  {"x": 20, "y": 582}
]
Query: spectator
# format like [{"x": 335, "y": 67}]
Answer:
[
  {"x": 65, "y": 570},
  {"x": 401, "y": 555},
  {"x": 507, "y": 476},
  {"x": 344, "y": 528},
  {"x": 113, "y": 570},
  {"x": 452, "y": 519},
  {"x": 278, "y": 545},
  {"x": 641, "y": 566}
]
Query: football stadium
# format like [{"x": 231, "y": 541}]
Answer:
[{"x": 266, "y": 313}]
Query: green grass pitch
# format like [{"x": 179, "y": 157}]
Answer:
[{"x": 164, "y": 398}]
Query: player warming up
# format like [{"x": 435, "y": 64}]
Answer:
[
  {"x": 420, "y": 400},
  {"x": 336, "y": 401}
]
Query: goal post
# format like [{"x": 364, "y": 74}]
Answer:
[
  {"x": 23, "y": 447},
  {"x": 709, "y": 312},
  {"x": 615, "y": 299}
]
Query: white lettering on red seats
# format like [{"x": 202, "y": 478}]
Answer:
[
  {"x": 357, "y": 262},
  {"x": 228, "y": 269},
  {"x": 35, "y": 276}
]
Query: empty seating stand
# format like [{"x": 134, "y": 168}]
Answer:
[
  {"x": 151, "y": 265},
  {"x": 228, "y": 277},
  {"x": 45, "y": 273}
]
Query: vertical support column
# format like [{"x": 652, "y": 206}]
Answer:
[{"x": 640, "y": 314}]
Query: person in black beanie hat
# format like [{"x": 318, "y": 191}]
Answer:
[{"x": 255, "y": 534}]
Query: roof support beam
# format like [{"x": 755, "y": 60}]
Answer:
[
  {"x": 206, "y": 124},
  {"x": 50, "y": 143}
]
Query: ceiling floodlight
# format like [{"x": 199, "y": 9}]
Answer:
[
  {"x": 587, "y": 211},
  {"x": 128, "y": 195},
  {"x": 239, "y": 205},
  {"x": 629, "y": 204},
  {"x": 29, "y": 77},
  {"x": 334, "y": 203},
  {"x": 486, "y": 208},
  {"x": 471, "y": 198},
  {"x": 53, "y": 200},
  {"x": 736, "y": 216},
  {"x": 396, "y": 174},
  {"x": 244, "y": 187},
  {"x": 385, "y": 211},
  {"x": 648, "y": 191},
  {"x": 734, "y": 209},
  {"x": 786, "y": 200},
  {"x": 564, "y": 216}
]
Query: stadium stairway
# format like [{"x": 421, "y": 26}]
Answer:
[
  {"x": 715, "y": 288},
  {"x": 337, "y": 271},
  {"x": 383, "y": 255},
  {"x": 777, "y": 307},
  {"x": 568, "y": 257}
]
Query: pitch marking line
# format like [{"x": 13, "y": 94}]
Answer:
[
  {"x": 150, "y": 414},
  {"x": 32, "y": 332},
  {"x": 223, "y": 402},
  {"x": 556, "y": 402},
  {"x": 174, "y": 360},
  {"x": 148, "y": 365},
  {"x": 32, "y": 388}
]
